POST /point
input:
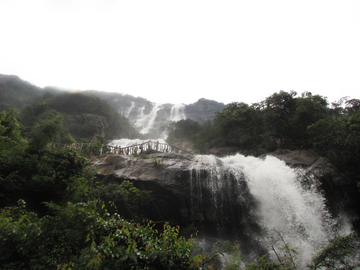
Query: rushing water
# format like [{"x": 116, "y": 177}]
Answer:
[
  {"x": 177, "y": 112},
  {"x": 128, "y": 111},
  {"x": 145, "y": 122},
  {"x": 261, "y": 202},
  {"x": 284, "y": 205}
]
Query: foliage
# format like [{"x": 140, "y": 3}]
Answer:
[
  {"x": 229, "y": 252},
  {"x": 280, "y": 121},
  {"x": 72, "y": 230},
  {"x": 30, "y": 114},
  {"x": 337, "y": 254},
  {"x": 49, "y": 176},
  {"x": 240, "y": 126},
  {"x": 207, "y": 134},
  {"x": 128, "y": 199},
  {"x": 77, "y": 236},
  {"x": 45, "y": 131},
  {"x": 339, "y": 140},
  {"x": 76, "y": 109},
  {"x": 183, "y": 129},
  {"x": 155, "y": 160},
  {"x": 93, "y": 147},
  {"x": 15, "y": 93},
  {"x": 10, "y": 133},
  {"x": 91, "y": 114},
  {"x": 35, "y": 171}
]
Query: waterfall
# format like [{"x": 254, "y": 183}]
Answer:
[
  {"x": 128, "y": 111},
  {"x": 145, "y": 122},
  {"x": 177, "y": 112},
  {"x": 262, "y": 202}
]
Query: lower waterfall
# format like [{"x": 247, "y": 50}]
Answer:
[{"x": 264, "y": 204}]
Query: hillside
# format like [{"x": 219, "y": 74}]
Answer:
[
  {"x": 84, "y": 116},
  {"x": 17, "y": 93}
]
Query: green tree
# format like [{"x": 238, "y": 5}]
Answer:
[
  {"x": 47, "y": 130},
  {"x": 74, "y": 231},
  {"x": 207, "y": 134},
  {"x": 308, "y": 110},
  {"x": 240, "y": 125},
  {"x": 130, "y": 201},
  {"x": 183, "y": 129},
  {"x": 10, "y": 132},
  {"x": 278, "y": 111},
  {"x": 77, "y": 236},
  {"x": 338, "y": 254},
  {"x": 33, "y": 170}
]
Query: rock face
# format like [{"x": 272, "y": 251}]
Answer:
[
  {"x": 185, "y": 192},
  {"x": 178, "y": 181},
  {"x": 166, "y": 176}
]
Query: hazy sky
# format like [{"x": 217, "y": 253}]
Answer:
[{"x": 180, "y": 51}]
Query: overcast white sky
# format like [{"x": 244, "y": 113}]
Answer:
[{"x": 179, "y": 51}]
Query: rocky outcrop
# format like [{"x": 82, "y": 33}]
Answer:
[
  {"x": 184, "y": 193},
  {"x": 171, "y": 179},
  {"x": 167, "y": 176},
  {"x": 181, "y": 183}
]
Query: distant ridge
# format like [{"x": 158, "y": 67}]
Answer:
[{"x": 145, "y": 115}]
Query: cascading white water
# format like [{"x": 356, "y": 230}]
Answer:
[
  {"x": 284, "y": 208},
  {"x": 128, "y": 111},
  {"x": 177, "y": 112},
  {"x": 145, "y": 122}
]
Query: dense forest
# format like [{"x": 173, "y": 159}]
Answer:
[{"x": 56, "y": 215}]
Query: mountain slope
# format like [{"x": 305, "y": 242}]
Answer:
[{"x": 84, "y": 116}]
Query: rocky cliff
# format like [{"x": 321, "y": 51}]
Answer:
[{"x": 185, "y": 195}]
